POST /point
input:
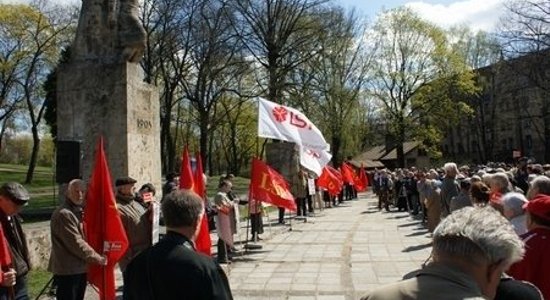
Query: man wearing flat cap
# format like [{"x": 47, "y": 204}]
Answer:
[
  {"x": 135, "y": 219},
  {"x": 535, "y": 265},
  {"x": 13, "y": 196}
]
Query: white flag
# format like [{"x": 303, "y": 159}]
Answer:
[
  {"x": 285, "y": 123},
  {"x": 314, "y": 160}
]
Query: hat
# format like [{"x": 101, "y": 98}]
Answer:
[
  {"x": 124, "y": 181},
  {"x": 539, "y": 206},
  {"x": 15, "y": 191}
]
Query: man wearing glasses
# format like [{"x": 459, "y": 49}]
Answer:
[{"x": 13, "y": 196}]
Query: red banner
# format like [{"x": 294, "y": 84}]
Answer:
[
  {"x": 347, "y": 173},
  {"x": 331, "y": 180},
  {"x": 202, "y": 242},
  {"x": 269, "y": 186},
  {"x": 5, "y": 256},
  {"x": 362, "y": 184},
  {"x": 186, "y": 174},
  {"x": 103, "y": 226}
]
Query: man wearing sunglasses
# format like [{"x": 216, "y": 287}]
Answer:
[{"x": 13, "y": 196}]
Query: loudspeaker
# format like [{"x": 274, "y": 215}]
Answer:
[{"x": 68, "y": 161}]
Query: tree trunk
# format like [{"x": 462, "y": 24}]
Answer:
[
  {"x": 203, "y": 138},
  {"x": 336, "y": 143},
  {"x": 34, "y": 155}
]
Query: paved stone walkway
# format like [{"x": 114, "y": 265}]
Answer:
[{"x": 338, "y": 255}]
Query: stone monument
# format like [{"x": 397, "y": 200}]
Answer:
[{"x": 101, "y": 93}]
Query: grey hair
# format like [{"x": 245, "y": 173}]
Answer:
[
  {"x": 514, "y": 202},
  {"x": 450, "y": 167},
  {"x": 539, "y": 185},
  {"x": 501, "y": 180},
  {"x": 478, "y": 233}
]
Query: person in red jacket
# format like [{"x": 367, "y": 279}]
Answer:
[{"x": 535, "y": 265}]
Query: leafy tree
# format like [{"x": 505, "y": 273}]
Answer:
[
  {"x": 420, "y": 81},
  {"x": 34, "y": 33}
]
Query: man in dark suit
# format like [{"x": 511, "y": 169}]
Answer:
[{"x": 172, "y": 269}]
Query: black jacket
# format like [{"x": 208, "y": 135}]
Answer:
[{"x": 172, "y": 269}]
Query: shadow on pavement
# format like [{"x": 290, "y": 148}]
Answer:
[
  {"x": 409, "y": 224},
  {"x": 417, "y": 247},
  {"x": 423, "y": 232}
]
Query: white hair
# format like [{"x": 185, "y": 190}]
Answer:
[
  {"x": 514, "y": 203},
  {"x": 478, "y": 233},
  {"x": 539, "y": 185},
  {"x": 501, "y": 181},
  {"x": 450, "y": 167}
]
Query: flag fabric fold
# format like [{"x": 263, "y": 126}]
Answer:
[
  {"x": 347, "y": 173},
  {"x": 331, "y": 180},
  {"x": 285, "y": 123},
  {"x": 103, "y": 227},
  {"x": 5, "y": 256},
  {"x": 203, "y": 243},
  {"x": 269, "y": 186},
  {"x": 186, "y": 173},
  {"x": 362, "y": 184}
]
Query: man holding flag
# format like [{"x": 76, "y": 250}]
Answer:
[{"x": 15, "y": 262}]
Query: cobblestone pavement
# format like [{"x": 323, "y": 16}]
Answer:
[{"x": 338, "y": 255}]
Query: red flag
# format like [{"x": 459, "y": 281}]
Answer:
[
  {"x": 331, "y": 180},
  {"x": 362, "y": 184},
  {"x": 202, "y": 242},
  {"x": 5, "y": 257},
  {"x": 186, "y": 174},
  {"x": 347, "y": 173},
  {"x": 103, "y": 226},
  {"x": 269, "y": 186}
]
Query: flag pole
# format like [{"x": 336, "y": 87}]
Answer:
[{"x": 103, "y": 295}]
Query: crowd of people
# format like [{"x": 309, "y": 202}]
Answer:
[
  {"x": 495, "y": 216},
  {"x": 490, "y": 227}
]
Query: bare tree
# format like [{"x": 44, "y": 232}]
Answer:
[{"x": 271, "y": 30}]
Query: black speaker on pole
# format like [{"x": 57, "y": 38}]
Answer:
[{"x": 68, "y": 161}]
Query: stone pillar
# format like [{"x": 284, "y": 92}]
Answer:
[
  {"x": 284, "y": 158},
  {"x": 111, "y": 100}
]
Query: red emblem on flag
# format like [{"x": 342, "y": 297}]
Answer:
[{"x": 280, "y": 114}]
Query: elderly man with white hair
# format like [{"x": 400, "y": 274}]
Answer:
[
  {"x": 472, "y": 248},
  {"x": 512, "y": 205},
  {"x": 449, "y": 188},
  {"x": 539, "y": 185}
]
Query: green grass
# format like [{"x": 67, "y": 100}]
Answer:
[
  {"x": 43, "y": 189},
  {"x": 37, "y": 279}
]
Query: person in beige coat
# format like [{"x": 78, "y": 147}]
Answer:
[
  {"x": 70, "y": 253},
  {"x": 433, "y": 203}
]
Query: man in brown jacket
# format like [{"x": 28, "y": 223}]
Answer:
[
  {"x": 71, "y": 254},
  {"x": 135, "y": 218}
]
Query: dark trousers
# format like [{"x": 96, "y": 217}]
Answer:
[
  {"x": 281, "y": 215},
  {"x": 301, "y": 207},
  {"x": 222, "y": 251},
  {"x": 310, "y": 203},
  {"x": 20, "y": 288},
  {"x": 70, "y": 287},
  {"x": 256, "y": 224}
]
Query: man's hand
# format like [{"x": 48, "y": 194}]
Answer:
[
  {"x": 103, "y": 260},
  {"x": 9, "y": 278}
]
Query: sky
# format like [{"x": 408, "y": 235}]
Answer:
[{"x": 478, "y": 14}]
